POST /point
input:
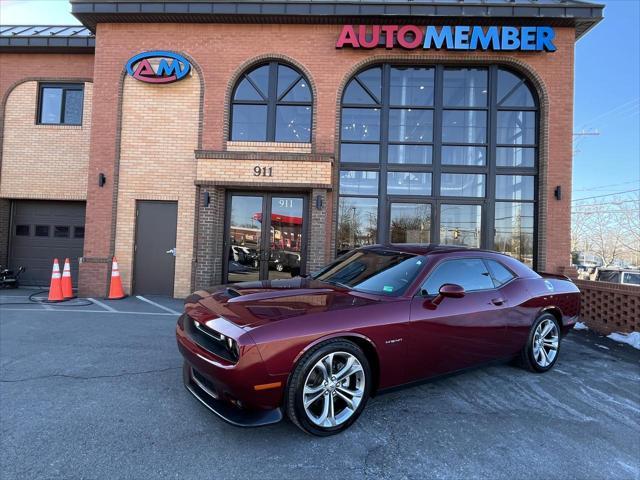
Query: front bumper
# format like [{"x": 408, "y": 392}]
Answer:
[
  {"x": 229, "y": 389},
  {"x": 226, "y": 411}
]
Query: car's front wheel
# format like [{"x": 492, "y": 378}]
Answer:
[
  {"x": 543, "y": 344},
  {"x": 329, "y": 388}
]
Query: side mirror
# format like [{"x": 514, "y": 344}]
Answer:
[{"x": 448, "y": 290}]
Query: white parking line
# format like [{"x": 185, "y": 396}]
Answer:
[
  {"x": 166, "y": 309},
  {"x": 100, "y": 304},
  {"x": 70, "y": 310}
]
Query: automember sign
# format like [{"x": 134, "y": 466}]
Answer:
[{"x": 460, "y": 37}]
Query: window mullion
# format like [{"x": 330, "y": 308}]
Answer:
[
  {"x": 437, "y": 150},
  {"x": 272, "y": 102},
  {"x": 63, "y": 101},
  {"x": 383, "y": 211},
  {"x": 492, "y": 134}
]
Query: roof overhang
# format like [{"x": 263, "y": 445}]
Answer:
[
  {"x": 579, "y": 14},
  {"x": 46, "y": 39}
]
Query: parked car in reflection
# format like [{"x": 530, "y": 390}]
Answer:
[
  {"x": 281, "y": 261},
  {"x": 241, "y": 254},
  {"x": 316, "y": 348},
  {"x": 618, "y": 275}
]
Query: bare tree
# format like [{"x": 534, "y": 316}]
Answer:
[{"x": 608, "y": 227}]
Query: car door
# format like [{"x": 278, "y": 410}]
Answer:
[{"x": 458, "y": 332}]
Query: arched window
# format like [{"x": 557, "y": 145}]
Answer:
[
  {"x": 438, "y": 154},
  {"x": 272, "y": 103}
]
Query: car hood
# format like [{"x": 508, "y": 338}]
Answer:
[{"x": 252, "y": 304}]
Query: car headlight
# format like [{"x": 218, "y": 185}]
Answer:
[{"x": 228, "y": 343}]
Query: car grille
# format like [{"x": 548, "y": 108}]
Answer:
[
  {"x": 207, "y": 339},
  {"x": 204, "y": 383}
]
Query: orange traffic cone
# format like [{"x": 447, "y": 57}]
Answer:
[
  {"x": 115, "y": 289},
  {"x": 55, "y": 289},
  {"x": 67, "y": 287}
]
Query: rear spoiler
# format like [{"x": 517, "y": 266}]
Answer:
[{"x": 557, "y": 276}]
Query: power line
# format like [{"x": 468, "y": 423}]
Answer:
[
  {"x": 606, "y": 195},
  {"x": 596, "y": 205},
  {"x": 600, "y": 187},
  {"x": 625, "y": 105}
]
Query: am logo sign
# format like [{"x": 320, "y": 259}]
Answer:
[{"x": 158, "y": 66}]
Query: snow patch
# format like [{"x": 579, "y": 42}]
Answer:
[
  {"x": 602, "y": 346},
  {"x": 580, "y": 326},
  {"x": 632, "y": 338}
]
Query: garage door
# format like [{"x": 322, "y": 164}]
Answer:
[{"x": 42, "y": 231}]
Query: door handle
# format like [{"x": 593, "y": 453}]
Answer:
[
  {"x": 172, "y": 251},
  {"x": 498, "y": 301}
]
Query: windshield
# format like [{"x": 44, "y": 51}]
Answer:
[{"x": 380, "y": 272}]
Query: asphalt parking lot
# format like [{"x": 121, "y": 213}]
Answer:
[{"x": 96, "y": 392}]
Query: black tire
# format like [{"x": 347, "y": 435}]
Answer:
[
  {"x": 294, "y": 395},
  {"x": 527, "y": 359}
]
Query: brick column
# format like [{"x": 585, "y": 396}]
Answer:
[
  {"x": 318, "y": 231},
  {"x": 210, "y": 238}
]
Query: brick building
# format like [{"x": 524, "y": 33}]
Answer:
[{"x": 203, "y": 142}]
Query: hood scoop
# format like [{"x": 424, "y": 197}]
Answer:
[{"x": 232, "y": 292}]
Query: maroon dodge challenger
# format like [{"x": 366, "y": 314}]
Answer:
[{"x": 378, "y": 317}]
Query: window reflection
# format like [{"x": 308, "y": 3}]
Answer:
[
  {"x": 463, "y": 155},
  {"x": 360, "y": 152},
  {"x": 513, "y": 91},
  {"x": 514, "y": 187},
  {"x": 515, "y": 157},
  {"x": 516, "y": 128},
  {"x": 465, "y": 87},
  {"x": 460, "y": 225},
  {"x": 408, "y": 183},
  {"x": 249, "y": 123},
  {"x": 356, "y": 182},
  {"x": 462, "y": 185},
  {"x": 464, "y": 126},
  {"x": 357, "y": 222},
  {"x": 412, "y": 154},
  {"x": 361, "y": 124},
  {"x": 410, "y": 125},
  {"x": 410, "y": 223},
  {"x": 293, "y": 124},
  {"x": 514, "y": 230},
  {"x": 412, "y": 86}
]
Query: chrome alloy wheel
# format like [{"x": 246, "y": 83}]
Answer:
[
  {"x": 545, "y": 343},
  {"x": 333, "y": 389}
]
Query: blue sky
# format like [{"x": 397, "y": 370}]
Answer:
[{"x": 607, "y": 91}]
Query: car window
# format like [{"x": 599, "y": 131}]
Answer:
[
  {"x": 501, "y": 274},
  {"x": 632, "y": 278},
  {"x": 470, "y": 273},
  {"x": 374, "y": 271}
]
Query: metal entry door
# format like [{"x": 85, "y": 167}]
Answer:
[{"x": 155, "y": 248}]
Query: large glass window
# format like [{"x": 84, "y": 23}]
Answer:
[
  {"x": 357, "y": 222},
  {"x": 460, "y": 225},
  {"x": 273, "y": 103},
  {"x": 60, "y": 104},
  {"x": 439, "y": 154},
  {"x": 410, "y": 223}
]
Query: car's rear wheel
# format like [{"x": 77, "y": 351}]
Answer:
[
  {"x": 329, "y": 388},
  {"x": 543, "y": 344}
]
